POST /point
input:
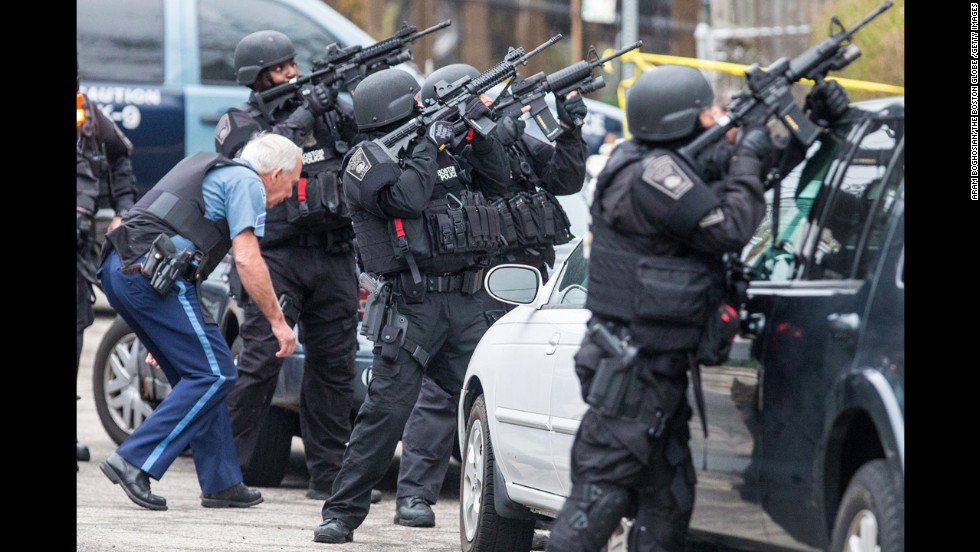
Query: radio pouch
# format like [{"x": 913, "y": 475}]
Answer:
[{"x": 393, "y": 335}]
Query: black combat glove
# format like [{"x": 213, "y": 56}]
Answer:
[
  {"x": 570, "y": 110},
  {"x": 753, "y": 141},
  {"x": 509, "y": 130},
  {"x": 440, "y": 133},
  {"x": 475, "y": 108},
  {"x": 321, "y": 99},
  {"x": 826, "y": 103}
]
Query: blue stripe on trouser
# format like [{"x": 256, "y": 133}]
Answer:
[
  {"x": 197, "y": 362},
  {"x": 209, "y": 352}
]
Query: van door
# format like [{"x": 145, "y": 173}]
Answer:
[{"x": 122, "y": 70}]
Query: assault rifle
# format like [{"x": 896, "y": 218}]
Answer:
[
  {"x": 531, "y": 91},
  {"x": 769, "y": 92},
  {"x": 347, "y": 66},
  {"x": 451, "y": 99}
]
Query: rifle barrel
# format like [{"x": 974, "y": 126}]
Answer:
[
  {"x": 547, "y": 43},
  {"x": 618, "y": 53},
  {"x": 431, "y": 29},
  {"x": 877, "y": 11}
]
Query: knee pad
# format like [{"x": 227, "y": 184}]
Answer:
[{"x": 592, "y": 512}]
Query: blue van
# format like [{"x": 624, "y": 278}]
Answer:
[{"x": 162, "y": 69}]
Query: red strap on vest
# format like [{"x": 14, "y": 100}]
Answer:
[
  {"x": 469, "y": 135},
  {"x": 301, "y": 190},
  {"x": 399, "y": 228}
]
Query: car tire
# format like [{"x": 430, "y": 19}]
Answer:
[
  {"x": 125, "y": 388},
  {"x": 272, "y": 450},
  {"x": 480, "y": 528},
  {"x": 872, "y": 512}
]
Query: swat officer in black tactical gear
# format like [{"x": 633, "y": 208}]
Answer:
[
  {"x": 430, "y": 432},
  {"x": 104, "y": 178},
  {"x": 538, "y": 172},
  {"x": 417, "y": 218},
  {"x": 533, "y": 222},
  {"x": 308, "y": 246},
  {"x": 659, "y": 231},
  {"x": 655, "y": 270}
]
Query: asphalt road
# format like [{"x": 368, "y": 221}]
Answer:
[{"x": 106, "y": 520}]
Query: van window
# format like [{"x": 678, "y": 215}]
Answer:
[
  {"x": 851, "y": 203},
  {"x": 114, "y": 52},
  {"x": 223, "y": 23}
]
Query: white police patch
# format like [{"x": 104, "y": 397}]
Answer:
[
  {"x": 314, "y": 156},
  {"x": 665, "y": 175},
  {"x": 223, "y": 129},
  {"x": 359, "y": 165}
]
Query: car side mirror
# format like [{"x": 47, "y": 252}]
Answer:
[{"x": 513, "y": 284}]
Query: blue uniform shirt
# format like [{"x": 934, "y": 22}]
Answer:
[{"x": 236, "y": 194}]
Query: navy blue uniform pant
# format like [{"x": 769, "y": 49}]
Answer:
[{"x": 197, "y": 361}]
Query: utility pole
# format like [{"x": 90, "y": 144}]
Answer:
[
  {"x": 630, "y": 32},
  {"x": 575, "y": 14}
]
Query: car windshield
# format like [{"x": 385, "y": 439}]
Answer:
[{"x": 573, "y": 283}]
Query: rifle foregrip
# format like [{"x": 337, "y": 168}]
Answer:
[{"x": 570, "y": 76}]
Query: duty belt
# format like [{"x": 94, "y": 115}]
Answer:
[
  {"x": 442, "y": 283},
  {"x": 333, "y": 242},
  {"x": 467, "y": 281}
]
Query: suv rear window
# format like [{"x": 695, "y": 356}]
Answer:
[
  {"x": 109, "y": 50},
  {"x": 223, "y": 23}
]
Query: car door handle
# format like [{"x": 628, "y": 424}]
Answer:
[
  {"x": 843, "y": 326},
  {"x": 553, "y": 343},
  {"x": 210, "y": 119}
]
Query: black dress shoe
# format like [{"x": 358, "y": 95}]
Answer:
[
  {"x": 81, "y": 452},
  {"x": 236, "y": 496},
  {"x": 414, "y": 511},
  {"x": 333, "y": 531},
  {"x": 133, "y": 480}
]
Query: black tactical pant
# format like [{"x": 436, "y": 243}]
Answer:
[
  {"x": 621, "y": 468},
  {"x": 324, "y": 285},
  {"x": 84, "y": 313},
  {"x": 427, "y": 443},
  {"x": 447, "y": 326}
]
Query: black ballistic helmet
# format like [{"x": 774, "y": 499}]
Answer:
[
  {"x": 450, "y": 74},
  {"x": 259, "y": 51},
  {"x": 385, "y": 97},
  {"x": 664, "y": 102}
]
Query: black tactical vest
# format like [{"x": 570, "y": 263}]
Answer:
[
  {"x": 664, "y": 299},
  {"x": 175, "y": 205},
  {"x": 456, "y": 227},
  {"x": 317, "y": 204}
]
